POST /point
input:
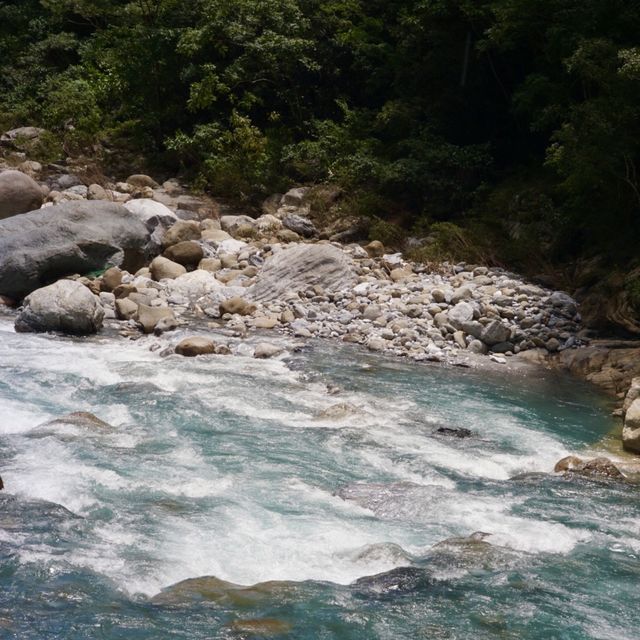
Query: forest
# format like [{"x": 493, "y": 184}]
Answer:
[{"x": 506, "y": 128}]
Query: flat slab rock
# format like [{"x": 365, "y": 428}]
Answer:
[{"x": 297, "y": 267}]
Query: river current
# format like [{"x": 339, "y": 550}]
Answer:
[{"x": 320, "y": 475}]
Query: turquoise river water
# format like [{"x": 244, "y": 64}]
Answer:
[{"x": 353, "y": 523}]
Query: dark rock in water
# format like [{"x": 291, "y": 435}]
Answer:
[
  {"x": 66, "y": 306},
  {"x": 529, "y": 478},
  {"x": 454, "y": 432},
  {"x": 398, "y": 581},
  {"x": 1, "y": 484},
  {"x": 19, "y": 514},
  {"x": 261, "y": 627},
  {"x": 75, "y": 237},
  {"x": 212, "y": 589},
  {"x": 595, "y": 468},
  {"x": 472, "y": 552}
]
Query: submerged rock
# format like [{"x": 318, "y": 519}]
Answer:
[
  {"x": 149, "y": 317},
  {"x": 454, "y": 432},
  {"x": 396, "y": 582},
  {"x": 261, "y": 627},
  {"x": 212, "y": 589},
  {"x": 337, "y": 411},
  {"x": 83, "y": 419},
  {"x": 65, "y": 306}
]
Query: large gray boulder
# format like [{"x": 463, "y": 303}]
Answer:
[
  {"x": 300, "y": 266},
  {"x": 66, "y": 306},
  {"x": 18, "y": 193},
  {"x": 75, "y": 237}
]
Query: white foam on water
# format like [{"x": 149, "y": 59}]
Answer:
[
  {"x": 18, "y": 418},
  {"x": 257, "y": 522}
]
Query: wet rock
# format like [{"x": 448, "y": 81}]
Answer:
[
  {"x": 149, "y": 317},
  {"x": 212, "y": 589},
  {"x": 596, "y": 467},
  {"x": 18, "y": 193},
  {"x": 83, "y": 419},
  {"x": 261, "y": 627},
  {"x": 65, "y": 306},
  {"x": 337, "y": 411},
  {"x": 454, "y": 432},
  {"x": 165, "y": 324},
  {"x": 298, "y": 267},
  {"x": 195, "y": 346},
  {"x": 266, "y": 350},
  {"x": 75, "y": 237},
  {"x": 400, "y": 581}
]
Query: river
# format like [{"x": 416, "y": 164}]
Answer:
[{"x": 310, "y": 473}]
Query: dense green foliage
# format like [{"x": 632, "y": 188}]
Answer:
[{"x": 521, "y": 114}]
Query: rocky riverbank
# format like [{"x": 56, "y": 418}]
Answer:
[{"x": 172, "y": 258}]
